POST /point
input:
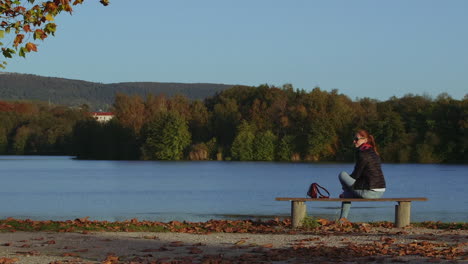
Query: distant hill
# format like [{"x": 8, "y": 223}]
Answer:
[{"x": 15, "y": 86}]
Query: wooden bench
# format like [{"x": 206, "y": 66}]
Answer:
[{"x": 402, "y": 209}]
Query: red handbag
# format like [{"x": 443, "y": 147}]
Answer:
[{"x": 314, "y": 191}]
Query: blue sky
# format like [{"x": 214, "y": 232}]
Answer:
[{"x": 374, "y": 49}]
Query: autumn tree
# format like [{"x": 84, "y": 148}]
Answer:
[
  {"x": 155, "y": 105},
  {"x": 21, "y": 20},
  {"x": 130, "y": 111},
  {"x": 180, "y": 104}
]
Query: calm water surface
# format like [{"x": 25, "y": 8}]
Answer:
[{"x": 61, "y": 188}]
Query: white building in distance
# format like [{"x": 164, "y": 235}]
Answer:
[{"x": 102, "y": 116}]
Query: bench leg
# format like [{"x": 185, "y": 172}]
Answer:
[
  {"x": 402, "y": 214},
  {"x": 298, "y": 213}
]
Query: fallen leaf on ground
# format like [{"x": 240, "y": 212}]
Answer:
[
  {"x": 150, "y": 237},
  {"x": 267, "y": 246},
  {"x": 111, "y": 259},
  {"x": 8, "y": 260},
  {"x": 240, "y": 242}
]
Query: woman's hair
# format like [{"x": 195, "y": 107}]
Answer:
[{"x": 370, "y": 138}]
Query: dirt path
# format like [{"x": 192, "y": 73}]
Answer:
[{"x": 447, "y": 246}]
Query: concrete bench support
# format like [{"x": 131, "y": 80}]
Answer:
[
  {"x": 402, "y": 214},
  {"x": 402, "y": 209},
  {"x": 298, "y": 213}
]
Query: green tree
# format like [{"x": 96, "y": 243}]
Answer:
[
  {"x": 118, "y": 142},
  {"x": 462, "y": 154},
  {"x": 166, "y": 137},
  {"x": 321, "y": 139},
  {"x": 88, "y": 139},
  {"x": 225, "y": 119},
  {"x": 390, "y": 135},
  {"x": 242, "y": 147},
  {"x": 425, "y": 152},
  {"x": 199, "y": 122},
  {"x": 212, "y": 148},
  {"x": 285, "y": 148},
  {"x": 3, "y": 141},
  {"x": 20, "y": 140},
  {"x": 264, "y": 146}
]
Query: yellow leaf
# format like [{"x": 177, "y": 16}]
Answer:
[
  {"x": 2, "y": 33},
  {"x": 49, "y": 17},
  {"x": 240, "y": 242}
]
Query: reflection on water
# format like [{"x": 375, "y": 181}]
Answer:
[{"x": 63, "y": 188}]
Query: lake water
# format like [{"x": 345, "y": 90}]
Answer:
[{"x": 62, "y": 188}]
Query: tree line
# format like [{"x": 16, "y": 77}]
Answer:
[
  {"x": 263, "y": 123},
  {"x": 37, "y": 128},
  {"x": 268, "y": 123}
]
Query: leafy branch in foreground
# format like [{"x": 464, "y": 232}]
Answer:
[{"x": 24, "y": 19}]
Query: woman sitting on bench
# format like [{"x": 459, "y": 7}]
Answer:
[{"x": 367, "y": 180}]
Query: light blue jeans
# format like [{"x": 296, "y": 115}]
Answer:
[{"x": 347, "y": 183}]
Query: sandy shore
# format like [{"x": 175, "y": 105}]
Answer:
[{"x": 447, "y": 246}]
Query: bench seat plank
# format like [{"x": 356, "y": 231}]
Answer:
[{"x": 351, "y": 199}]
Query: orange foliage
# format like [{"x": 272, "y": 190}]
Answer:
[
  {"x": 6, "y": 107},
  {"x": 25, "y": 108},
  {"x": 27, "y": 19},
  {"x": 8, "y": 260},
  {"x": 31, "y": 46},
  {"x": 20, "y": 108}
]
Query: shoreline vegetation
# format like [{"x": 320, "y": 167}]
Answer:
[
  {"x": 242, "y": 123},
  {"x": 225, "y": 241}
]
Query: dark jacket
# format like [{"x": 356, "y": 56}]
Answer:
[{"x": 367, "y": 171}]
